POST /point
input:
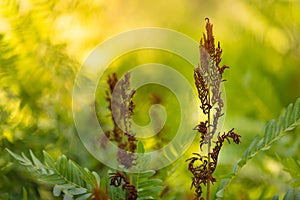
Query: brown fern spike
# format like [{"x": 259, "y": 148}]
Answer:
[
  {"x": 116, "y": 134},
  {"x": 123, "y": 107},
  {"x": 123, "y": 136},
  {"x": 208, "y": 78}
]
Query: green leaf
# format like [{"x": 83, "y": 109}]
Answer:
[
  {"x": 289, "y": 194},
  {"x": 37, "y": 163},
  {"x": 68, "y": 197},
  {"x": 57, "y": 189},
  {"x": 221, "y": 188},
  {"x": 152, "y": 191},
  {"x": 27, "y": 161},
  {"x": 277, "y": 126},
  {"x": 296, "y": 111},
  {"x": 75, "y": 173},
  {"x": 61, "y": 165},
  {"x": 148, "y": 187},
  {"x": 287, "y": 118},
  {"x": 140, "y": 147},
  {"x": 265, "y": 148},
  {"x": 146, "y": 174},
  {"x": 150, "y": 183},
  {"x": 48, "y": 160},
  {"x": 97, "y": 177},
  {"x": 87, "y": 176},
  {"x": 21, "y": 159},
  {"x": 269, "y": 131},
  {"x": 69, "y": 178},
  {"x": 77, "y": 191},
  {"x": 249, "y": 150},
  {"x": 274, "y": 130},
  {"x": 25, "y": 195},
  {"x": 52, "y": 179},
  {"x": 84, "y": 197}
]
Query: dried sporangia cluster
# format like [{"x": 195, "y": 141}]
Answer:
[
  {"x": 121, "y": 106},
  {"x": 208, "y": 79},
  {"x": 118, "y": 178}
]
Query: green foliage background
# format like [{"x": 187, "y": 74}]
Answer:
[{"x": 43, "y": 43}]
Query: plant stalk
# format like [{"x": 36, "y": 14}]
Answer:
[
  {"x": 208, "y": 181},
  {"x": 208, "y": 149}
]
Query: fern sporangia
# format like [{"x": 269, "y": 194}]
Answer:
[
  {"x": 208, "y": 79},
  {"x": 122, "y": 112}
]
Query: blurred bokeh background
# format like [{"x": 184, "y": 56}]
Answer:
[{"x": 44, "y": 42}]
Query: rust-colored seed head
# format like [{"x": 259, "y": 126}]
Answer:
[{"x": 208, "y": 78}]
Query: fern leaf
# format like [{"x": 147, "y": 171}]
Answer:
[
  {"x": 48, "y": 160},
  {"x": 69, "y": 178},
  {"x": 274, "y": 130},
  {"x": 52, "y": 179},
  {"x": 148, "y": 187},
  {"x": 37, "y": 163},
  {"x": 57, "y": 189},
  {"x": 21, "y": 159}
]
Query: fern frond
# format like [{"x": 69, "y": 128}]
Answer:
[
  {"x": 69, "y": 179},
  {"x": 148, "y": 187},
  {"x": 274, "y": 130}
]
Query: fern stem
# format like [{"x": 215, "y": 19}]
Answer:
[
  {"x": 130, "y": 177},
  {"x": 208, "y": 181},
  {"x": 208, "y": 149}
]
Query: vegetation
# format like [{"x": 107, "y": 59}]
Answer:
[
  {"x": 42, "y": 44},
  {"x": 208, "y": 79}
]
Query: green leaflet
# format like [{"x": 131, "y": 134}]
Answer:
[
  {"x": 148, "y": 187},
  {"x": 274, "y": 130},
  {"x": 140, "y": 148},
  {"x": 69, "y": 179}
]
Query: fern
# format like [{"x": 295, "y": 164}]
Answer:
[
  {"x": 274, "y": 130},
  {"x": 69, "y": 179},
  {"x": 147, "y": 187}
]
